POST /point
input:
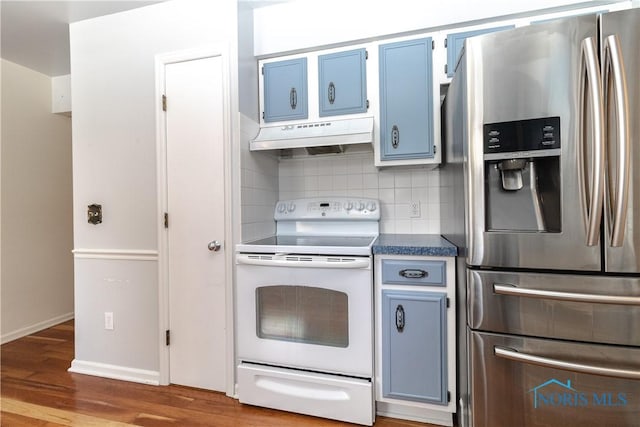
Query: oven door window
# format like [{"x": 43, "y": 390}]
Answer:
[{"x": 303, "y": 314}]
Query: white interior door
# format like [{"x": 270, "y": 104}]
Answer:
[{"x": 195, "y": 200}]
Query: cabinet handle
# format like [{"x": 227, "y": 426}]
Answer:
[
  {"x": 293, "y": 98},
  {"x": 331, "y": 93},
  {"x": 413, "y": 274},
  {"x": 400, "y": 318},
  {"x": 395, "y": 136},
  {"x": 581, "y": 368}
]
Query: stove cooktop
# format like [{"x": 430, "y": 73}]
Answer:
[{"x": 322, "y": 245}]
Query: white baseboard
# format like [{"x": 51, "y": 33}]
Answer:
[
  {"x": 115, "y": 372},
  {"x": 28, "y": 330}
]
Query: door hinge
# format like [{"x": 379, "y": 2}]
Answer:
[
  {"x": 435, "y": 149},
  {"x": 445, "y": 42},
  {"x": 367, "y": 104},
  {"x": 433, "y": 44},
  {"x": 167, "y": 337},
  {"x": 448, "y": 396},
  {"x": 366, "y": 54},
  {"x": 262, "y": 70},
  {"x": 166, "y": 220},
  {"x": 164, "y": 102},
  {"x": 445, "y": 68},
  {"x": 448, "y": 303}
]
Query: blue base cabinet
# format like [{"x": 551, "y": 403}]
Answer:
[
  {"x": 414, "y": 352},
  {"x": 415, "y": 337}
]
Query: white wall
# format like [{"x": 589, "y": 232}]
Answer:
[
  {"x": 301, "y": 25},
  {"x": 259, "y": 180},
  {"x": 114, "y": 158},
  {"x": 37, "y": 264}
]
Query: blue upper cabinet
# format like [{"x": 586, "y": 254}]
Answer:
[
  {"x": 455, "y": 42},
  {"x": 285, "y": 90},
  {"x": 406, "y": 100},
  {"x": 342, "y": 84}
]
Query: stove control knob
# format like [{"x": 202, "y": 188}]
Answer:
[
  {"x": 371, "y": 206},
  {"x": 292, "y": 207},
  {"x": 360, "y": 206},
  {"x": 348, "y": 206},
  {"x": 282, "y": 207}
]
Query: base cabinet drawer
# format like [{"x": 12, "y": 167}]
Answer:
[{"x": 414, "y": 347}]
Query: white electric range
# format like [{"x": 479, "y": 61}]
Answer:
[{"x": 305, "y": 310}]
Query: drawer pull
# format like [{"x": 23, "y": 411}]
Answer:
[
  {"x": 400, "y": 318},
  {"x": 505, "y": 289},
  {"x": 547, "y": 362},
  {"x": 413, "y": 273}
]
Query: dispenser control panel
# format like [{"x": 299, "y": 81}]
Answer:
[{"x": 522, "y": 136}]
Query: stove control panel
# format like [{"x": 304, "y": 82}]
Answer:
[{"x": 334, "y": 208}]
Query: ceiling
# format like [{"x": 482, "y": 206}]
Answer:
[{"x": 35, "y": 34}]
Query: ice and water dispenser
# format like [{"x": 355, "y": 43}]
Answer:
[{"x": 522, "y": 175}]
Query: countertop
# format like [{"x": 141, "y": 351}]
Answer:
[{"x": 413, "y": 244}]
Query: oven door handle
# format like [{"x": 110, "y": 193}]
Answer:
[
  {"x": 547, "y": 362},
  {"x": 339, "y": 263}
]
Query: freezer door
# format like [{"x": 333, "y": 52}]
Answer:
[
  {"x": 621, "y": 31},
  {"x": 518, "y": 381},
  {"x": 595, "y": 309},
  {"x": 528, "y": 73}
]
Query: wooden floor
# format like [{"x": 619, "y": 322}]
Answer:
[{"x": 37, "y": 390}]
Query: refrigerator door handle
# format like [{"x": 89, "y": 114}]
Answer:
[
  {"x": 592, "y": 189},
  {"x": 547, "y": 362},
  {"x": 504, "y": 289},
  {"x": 615, "y": 85}
]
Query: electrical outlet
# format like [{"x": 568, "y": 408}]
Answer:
[
  {"x": 414, "y": 209},
  {"x": 108, "y": 320}
]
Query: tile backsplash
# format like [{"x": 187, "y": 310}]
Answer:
[
  {"x": 265, "y": 179},
  {"x": 354, "y": 174},
  {"x": 259, "y": 186}
]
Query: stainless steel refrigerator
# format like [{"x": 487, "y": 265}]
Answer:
[{"x": 541, "y": 192}]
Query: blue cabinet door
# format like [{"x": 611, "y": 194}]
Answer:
[
  {"x": 285, "y": 90},
  {"x": 456, "y": 40},
  {"x": 406, "y": 100},
  {"x": 342, "y": 83},
  {"x": 414, "y": 359}
]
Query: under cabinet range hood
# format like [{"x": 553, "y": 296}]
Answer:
[{"x": 314, "y": 135}]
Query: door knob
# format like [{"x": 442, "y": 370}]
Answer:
[{"x": 214, "y": 245}]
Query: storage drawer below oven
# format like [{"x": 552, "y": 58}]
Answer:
[
  {"x": 518, "y": 381},
  {"x": 321, "y": 395}
]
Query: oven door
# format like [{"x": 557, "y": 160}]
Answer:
[{"x": 308, "y": 312}]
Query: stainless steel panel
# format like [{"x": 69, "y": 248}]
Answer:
[
  {"x": 530, "y": 72},
  {"x": 581, "y": 308},
  {"x": 626, "y": 258},
  {"x": 551, "y": 389}
]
